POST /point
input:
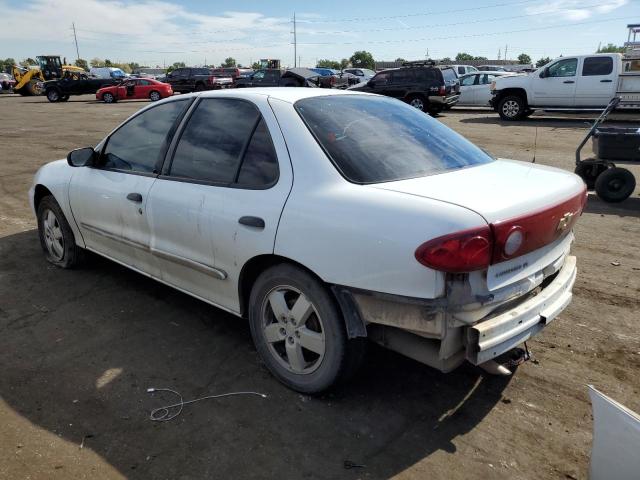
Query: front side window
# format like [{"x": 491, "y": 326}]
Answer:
[
  {"x": 597, "y": 66},
  {"x": 217, "y": 138},
  {"x": 138, "y": 145},
  {"x": 382, "y": 78},
  {"x": 468, "y": 81},
  {"x": 377, "y": 139},
  {"x": 564, "y": 68}
]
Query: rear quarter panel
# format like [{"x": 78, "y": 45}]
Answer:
[{"x": 357, "y": 235}]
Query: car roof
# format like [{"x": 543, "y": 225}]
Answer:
[
  {"x": 286, "y": 94},
  {"x": 487, "y": 72}
]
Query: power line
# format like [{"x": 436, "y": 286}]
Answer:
[
  {"x": 422, "y": 14},
  {"x": 506, "y": 32},
  {"x": 467, "y": 22}
]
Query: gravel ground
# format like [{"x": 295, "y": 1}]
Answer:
[{"x": 78, "y": 350}]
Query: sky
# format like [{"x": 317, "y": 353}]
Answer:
[{"x": 158, "y": 32}]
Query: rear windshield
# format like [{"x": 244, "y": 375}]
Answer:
[
  {"x": 373, "y": 139},
  {"x": 449, "y": 75}
]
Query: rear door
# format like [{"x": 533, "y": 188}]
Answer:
[
  {"x": 402, "y": 81},
  {"x": 219, "y": 199},
  {"x": 557, "y": 86},
  {"x": 596, "y": 83}
]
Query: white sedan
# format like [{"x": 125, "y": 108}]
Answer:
[
  {"x": 325, "y": 218},
  {"x": 475, "y": 88}
]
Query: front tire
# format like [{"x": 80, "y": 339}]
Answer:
[
  {"x": 299, "y": 331},
  {"x": 56, "y": 236},
  {"x": 154, "y": 96},
  {"x": 512, "y": 107},
  {"x": 615, "y": 184},
  {"x": 53, "y": 95}
]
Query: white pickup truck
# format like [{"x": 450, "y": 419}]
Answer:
[{"x": 580, "y": 82}]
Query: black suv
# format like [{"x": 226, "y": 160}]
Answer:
[
  {"x": 185, "y": 80},
  {"x": 421, "y": 84}
]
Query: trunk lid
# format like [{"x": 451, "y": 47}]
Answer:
[
  {"x": 498, "y": 190},
  {"x": 532, "y": 206}
]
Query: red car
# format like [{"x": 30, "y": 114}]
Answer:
[{"x": 135, "y": 89}]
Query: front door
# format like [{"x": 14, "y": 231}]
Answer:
[
  {"x": 556, "y": 84},
  {"x": 109, "y": 200},
  {"x": 218, "y": 201},
  {"x": 596, "y": 83}
]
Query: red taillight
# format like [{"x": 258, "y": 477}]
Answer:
[
  {"x": 478, "y": 248},
  {"x": 442, "y": 91},
  {"x": 536, "y": 229},
  {"x": 459, "y": 252}
]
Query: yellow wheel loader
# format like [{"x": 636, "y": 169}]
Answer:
[{"x": 29, "y": 80}]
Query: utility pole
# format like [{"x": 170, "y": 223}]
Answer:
[
  {"x": 505, "y": 51},
  {"x": 76, "y": 39},
  {"x": 499, "y": 53},
  {"x": 295, "y": 42}
]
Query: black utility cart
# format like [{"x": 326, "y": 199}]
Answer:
[{"x": 611, "y": 146}]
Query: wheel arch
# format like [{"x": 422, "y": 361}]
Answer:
[
  {"x": 40, "y": 191},
  {"x": 520, "y": 92},
  {"x": 354, "y": 322}
]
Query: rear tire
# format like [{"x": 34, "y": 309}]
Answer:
[
  {"x": 108, "y": 98},
  {"x": 615, "y": 184},
  {"x": 419, "y": 102},
  {"x": 512, "y": 107},
  {"x": 199, "y": 87},
  {"x": 154, "y": 96},
  {"x": 299, "y": 331},
  {"x": 56, "y": 236}
]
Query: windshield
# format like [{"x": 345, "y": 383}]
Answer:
[{"x": 373, "y": 139}]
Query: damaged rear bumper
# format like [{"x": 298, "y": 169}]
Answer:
[
  {"x": 494, "y": 336},
  {"x": 433, "y": 332}
]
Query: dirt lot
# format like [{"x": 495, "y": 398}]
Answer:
[{"x": 79, "y": 348}]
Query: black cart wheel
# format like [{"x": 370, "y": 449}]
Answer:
[
  {"x": 589, "y": 172},
  {"x": 615, "y": 184}
]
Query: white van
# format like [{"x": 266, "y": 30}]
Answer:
[{"x": 107, "y": 72}]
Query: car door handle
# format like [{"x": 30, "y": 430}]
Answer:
[
  {"x": 249, "y": 221},
  {"x": 568, "y": 81},
  {"x": 606, "y": 81},
  {"x": 135, "y": 197}
]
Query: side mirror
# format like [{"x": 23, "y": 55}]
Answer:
[
  {"x": 544, "y": 73},
  {"x": 81, "y": 157}
]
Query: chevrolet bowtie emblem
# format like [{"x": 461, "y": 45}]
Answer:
[{"x": 564, "y": 221}]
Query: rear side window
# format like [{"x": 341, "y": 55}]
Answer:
[
  {"x": 260, "y": 164},
  {"x": 449, "y": 75},
  {"x": 402, "y": 76},
  {"x": 427, "y": 75},
  {"x": 211, "y": 144},
  {"x": 374, "y": 139},
  {"x": 138, "y": 145},
  {"x": 597, "y": 66}
]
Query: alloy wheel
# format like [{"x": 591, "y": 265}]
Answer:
[
  {"x": 108, "y": 98},
  {"x": 53, "y": 238},
  {"x": 293, "y": 329},
  {"x": 511, "y": 108},
  {"x": 154, "y": 96},
  {"x": 417, "y": 103}
]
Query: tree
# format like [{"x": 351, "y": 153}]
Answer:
[
  {"x": 134, "y": 66},
  {"x": 178, "y": 65},
  {"x": 344, "y": 63},
  {"x": 446, "y": 60},
  {"x": 400, "y": 60},
  {"x": 524, "y": 59},
  {"x": 463, "y": 57},
  {"x": 610, "y": 48},
  {"x": 7, "y": 64},
  {"x": 96, "y": 62},
  {"x": 255, "y": 65},
  {"x": 27, "y": 62},
  {"x": 229, "y": 62},
  {"x": 363, "y": 59},
  {"x": 542, "y": 62},
  {"x": 82, "y": 63},
  {"x": 326, "y": 63},
  {"x": 108, "y": 63}
]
